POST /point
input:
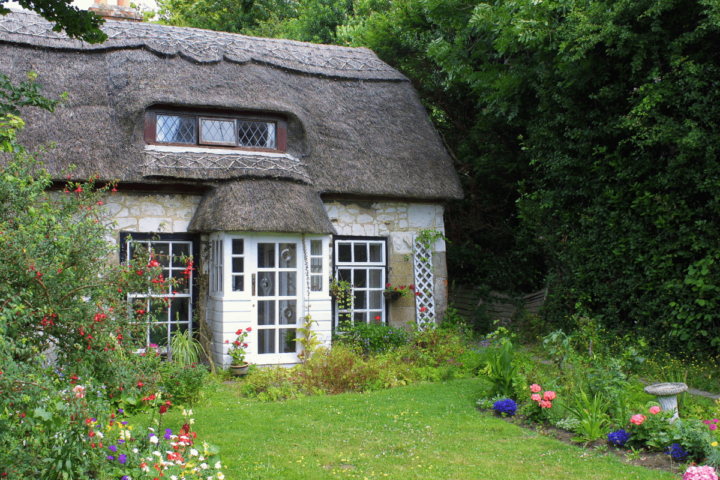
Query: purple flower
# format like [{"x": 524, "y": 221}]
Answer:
[
  {"x": 93, "y": 420},
  {"x": 121, "y": 441},
  {"x": 112, "y": 448},
  {"x": 125, "y": 477},
  {"x": 168, "y": 433},
  {"x": 120, "y": 410},
  {"x": 110, "y": 457},
  {"x": 124, "y": 423},
  {"x": 122, "y": 459}
]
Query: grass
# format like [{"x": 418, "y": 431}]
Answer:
[{"x": 423, "y": 431}]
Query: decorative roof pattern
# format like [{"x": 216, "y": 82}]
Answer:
[
  {"x": 206, "y": 46},
  {"x": 208, "y": 166}
]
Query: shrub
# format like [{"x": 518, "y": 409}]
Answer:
[
  {"x": 183, "y": 384},
  {"x": 676, "y": 452},
  {"x": 372, "y": 339}
]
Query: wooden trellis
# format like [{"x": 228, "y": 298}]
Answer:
[{"x": 424, "y": 284}]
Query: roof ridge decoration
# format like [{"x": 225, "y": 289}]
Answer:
[
  {"x": 206, "y": 46},
  {"x": 208, "y": 166}
]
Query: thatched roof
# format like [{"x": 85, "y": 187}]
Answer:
[
  {"x": 355, "y": 125},
  {"x": 261, "y": 206}
]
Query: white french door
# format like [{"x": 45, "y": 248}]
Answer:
[
  {"x": 276, "y": 289},
  {"x": 263, "y": 289}
]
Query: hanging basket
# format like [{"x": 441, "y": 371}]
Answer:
[{"x": 392, "y": 296}]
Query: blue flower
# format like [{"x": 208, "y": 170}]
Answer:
[
  {"x": 618, "y": 438},
  {"x": 507, "y": 407},
  {"x": 676, "y": 452}
]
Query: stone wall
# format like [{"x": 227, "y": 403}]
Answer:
[
  {"x": 398, "y": 221},
  {"x": 151, "y": 212}
]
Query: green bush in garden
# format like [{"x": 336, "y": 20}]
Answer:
[
  {"x": 63, "y": 298},
  {"x": 372, "y": 339}
]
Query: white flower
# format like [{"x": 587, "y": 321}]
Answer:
[
  {"x": 153, "y": 440},
  {"x": 157, "y": 454},
  {"x": 192, "y": 420},
  {"x": 204, "y": 466},
  {"x": 99, "y": 434},
  {"x": 218, "y": 465},
  {"x": 173, "y": 477},
  {"x": 184, "y": 413},
  {"x": 189, "y": 412},
  {"x": 193, "y": 452},
  {"x": 145, "y": 468},
  {"x": 201, "y": 458},
  {"x": 135, "y": 450},
  {"x": 151, "y": 429},
  {"x": 221, "y": 476}
]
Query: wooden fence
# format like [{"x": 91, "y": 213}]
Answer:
[{"x": 469, "y": 302}]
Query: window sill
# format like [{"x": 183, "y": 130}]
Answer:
[{"x": 219, "y": 151}]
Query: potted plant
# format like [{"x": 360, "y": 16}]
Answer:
[
  {"x": 239, "y": 366},
  {"x": 394, "y": 293}
]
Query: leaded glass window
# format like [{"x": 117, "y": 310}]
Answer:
[
  {"x": 256, "y": 134},
  {"x": 217, "y": 131},
  {"x": 175, "y": 129}
]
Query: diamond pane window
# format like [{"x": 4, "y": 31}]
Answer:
[
  {"x": 217, "y": 131},
  {"x": 175, "y": 129},
  {"x": 256, "y": 134}
]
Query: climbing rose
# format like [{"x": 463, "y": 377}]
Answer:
[
  {"x": 638, "y": 419},
  {"x": 535, "y": 388},
  {"x": 655, "y": 410}
]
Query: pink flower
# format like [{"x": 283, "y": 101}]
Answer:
[
  {"x": 700, "y": 473},
  {"x": 713, "y": 427},
  {"x": 423, "y": 309},
  {"x": 655, "y": 410},
  {"x": 638, "y": 419},
  {"x": 545, "y": 404},
  {"x": 549, "y": 395},
  {"x": 535, "y": 397},
  {"x": 79, "y": 391},
  {"x": 535, "y": 388}
]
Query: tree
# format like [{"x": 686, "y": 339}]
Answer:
[{"x": 76, "y": 23}]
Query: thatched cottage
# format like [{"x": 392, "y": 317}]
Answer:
[{"x": 278, "y": 165}]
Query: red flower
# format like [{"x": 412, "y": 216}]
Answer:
[
  {"x": 236, "y": 343},
  {"x": 140, "y": 384},
  {"x": 245, "y": 345},
  {"x": 387, "y": 285},
  {"x": 249, "y": 329},
  {"x": 377, "y": 318},
  {"x": 163, "y": 409},
  {"x": 417, "y": 294},
  {"x": 423, "y": 309},
  {"x": 238, "y": 332},
  {"x": 79, "y": 189},
  {"x": 411, "y": 287},
  {"x": 227, "y": 341}
]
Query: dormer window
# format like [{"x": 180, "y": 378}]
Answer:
[{"x": 207, "y": 128}]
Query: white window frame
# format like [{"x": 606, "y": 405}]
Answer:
[
  {"x": 170, "y": 239},
  {"x": 367, "y": 313}
]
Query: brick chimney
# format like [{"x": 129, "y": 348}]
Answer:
[{"x": 121, "y": 11}]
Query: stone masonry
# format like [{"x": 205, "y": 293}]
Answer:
[{"x": 398, "y": 221}]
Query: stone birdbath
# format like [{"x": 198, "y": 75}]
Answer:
[{"x": 666, "y": 394}]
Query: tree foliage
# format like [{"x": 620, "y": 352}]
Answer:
[
  {"x": 76, "y": 23},
  {"x": 586, "y": 138}
]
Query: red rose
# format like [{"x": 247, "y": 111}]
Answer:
[
  {"x": 249, "y": 329},
  {"x": 238, "y": 332}
]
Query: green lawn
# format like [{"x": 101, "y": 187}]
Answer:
[{"x": 424, "y": 431}]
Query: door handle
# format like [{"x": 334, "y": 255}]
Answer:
[{"x": 253, "y": 284}]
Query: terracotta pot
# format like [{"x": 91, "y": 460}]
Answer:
[{"x": 239, "y": 370}]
